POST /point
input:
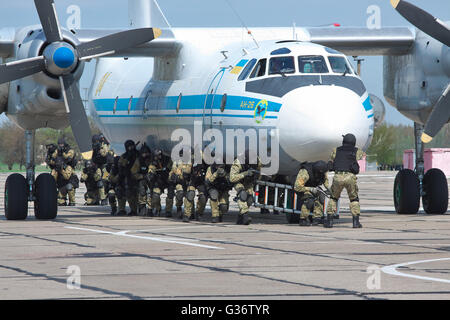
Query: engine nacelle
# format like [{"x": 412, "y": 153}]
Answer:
[
  {"x": 378, "y": 109},
  {"x": 414, "y": 82},
  {"x": 37, "y": 101}
]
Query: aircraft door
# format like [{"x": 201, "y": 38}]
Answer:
[{"x": 212, "y": 100}]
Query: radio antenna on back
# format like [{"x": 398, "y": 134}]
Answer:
[{"x": 242, "y": 22}]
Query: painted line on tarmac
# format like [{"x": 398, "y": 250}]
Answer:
[
  {"x": 392, "y": 270},
  {"x": 124, "y": 234}
]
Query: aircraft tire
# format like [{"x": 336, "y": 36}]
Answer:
[
  {"x": 406, "y": 192},
  {"x": 45, "y": 205},
  {"x": 16, "y": 197},
  {"x": 292, "y": 218},
  {"x": 435, "y": 199}
]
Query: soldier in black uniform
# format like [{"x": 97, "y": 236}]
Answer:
[
  {"x": 139, "y": 177},
  {"x": 158, "y": 175},
  {"x": 126, "y": 161},
  {"x": 116, "y": 193}
]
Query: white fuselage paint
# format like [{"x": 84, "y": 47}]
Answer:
[{"x": 146, "y": 99}]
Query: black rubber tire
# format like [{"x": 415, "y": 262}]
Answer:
[
  {"x": 45, "y": 205},
  {"x": 406, "y": 192},
  {"x": 16, "y": 197},
  {"x": 292, "y": 218},
  {"x": 435, "y": 187}
]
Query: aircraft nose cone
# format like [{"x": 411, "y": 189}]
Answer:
[
  {"x": 63, "y": 57},
  {"x": 313, "y": 119}
]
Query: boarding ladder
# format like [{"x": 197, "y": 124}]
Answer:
[{"x": 285, "y": 199}]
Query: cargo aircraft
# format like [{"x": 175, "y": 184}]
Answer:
[{"x": 291, "y": 85}]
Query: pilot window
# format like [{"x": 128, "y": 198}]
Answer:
[
  {"x": 281, "y": 65},
  {"x": 339, "y": 65},
  {"x": 312, "y": 64},
  {"x": 260, "y": 69},
  {"x": 247, "y": 69}
]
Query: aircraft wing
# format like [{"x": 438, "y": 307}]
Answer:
[
  {"x": 165, "y": 45},
  {"x": 358, "y": 41},
  {"x": 7, "y": 43}
]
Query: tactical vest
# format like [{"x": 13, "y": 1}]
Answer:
[
  {"x": 221, "y": 183},
  {"x": 198, "y": 175},
  {"x": 345, "y": 160},
  {"x": 315, "y": 178},
  {"x": 98, "y": 159}
]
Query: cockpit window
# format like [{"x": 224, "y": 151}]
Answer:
[
  {"x": 247, "y": 69},
  {"x": 260, "y": 69},
  {"x": 281, "y": 65},
  {"x": 339, "y": 65},
  {"x": 312, "y": 64}
]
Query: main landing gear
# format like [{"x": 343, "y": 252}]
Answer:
[
  {"x": 19, "y": 190},
  {"x": 410, "y": 185}
]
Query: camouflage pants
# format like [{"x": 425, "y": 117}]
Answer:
[
  {"x": 345, "y": 180},
  {"x": 308, "y": 201},
  {"x": 132, "y": 198},
  {"x": 189, "y": 206},
  {"x": 91, "y": 197},
  {"x": 143, "y": 198},
  {"x": 156, "y": 199},
  {"x": 62, "y": 193},
  {"x": 223, "y": 202},
  {"x": 244, "y": 204}
]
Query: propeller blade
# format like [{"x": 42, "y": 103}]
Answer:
[
  {"x": 438, "y": 117},
  {"x": 423, "y": 21},
  {"x": 77, "y": 116},
  {"x": 116, "y": 42},
  {"x": 49, "y": 20},
  {"x": 22, "y": 68}
]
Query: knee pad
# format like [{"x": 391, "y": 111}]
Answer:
[
  {"x": 69, "y": 187},
  {"x": 190, "y": 195},
  {"x": 179, "y": 195},
  {"x": 356, "y": 199},
  {"x": 214, "y": 194},
  {"x": 243, "y": 195},
  {"x": 100, "y": 184},
  {"x": 223, "y": 208},
  {"x": 309, "y": 203},
  {"x": 202, "y": 198}
]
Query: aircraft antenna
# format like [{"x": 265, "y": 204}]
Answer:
[{"x": 242, "y": 22}]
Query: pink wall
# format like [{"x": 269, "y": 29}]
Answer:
[
  {"x": 362, "y": 164},
  {"x": 433, "y": 158}
]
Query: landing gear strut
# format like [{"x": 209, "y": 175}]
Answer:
[
  {"x": 410, "y": 185},
  {"x": 19, "y": 190}
]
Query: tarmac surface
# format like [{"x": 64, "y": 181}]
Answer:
[{"x": 391, "y": 257}]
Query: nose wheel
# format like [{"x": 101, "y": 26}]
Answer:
[
  {"x": 435, "y": 192},
  {"x": 16, "y": 193}
]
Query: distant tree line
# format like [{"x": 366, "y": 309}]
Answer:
[
  {"x": 12, "y": 142},
  {"x": 389, "y": 142}
]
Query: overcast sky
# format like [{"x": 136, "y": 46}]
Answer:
[{"x": 255, "y": 13}]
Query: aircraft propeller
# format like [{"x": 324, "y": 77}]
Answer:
[
  {"x": 441, "y": 32},
  {"x": 60, "y": 58}
]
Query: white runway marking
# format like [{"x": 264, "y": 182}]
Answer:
[
  {"x": 392, "y": 270},
  {"x": 124, "y": 234}
]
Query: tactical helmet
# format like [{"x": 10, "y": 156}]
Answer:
[
  {"x": 349, "y": 139},
  {"x": 320, "y": 166},
  {"x": 95, "y": 138},
  {"x": 145, "y": 151},
  {"x": 61, "y": 141},
  {"x": 129, "y": 145}
]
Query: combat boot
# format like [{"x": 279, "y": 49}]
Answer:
[
  {"x": 304, "y": 222},
  {"x": 122, "y": 213},
  {"x": 142, "y": 210},
  {"x": 240, "y": 219},
  {"x": 220, "y": 217},
  {"x": 316, "y": 221},
  {"x": 356, "y": 223},
  {"x": 104, "y": 202},
  {"x": 185, "y": 218},
  {"x": 113, "y": 210},
  {"x": 214, "y": 220},
  {"x": 179, "y": 213},
  {"x": 328, "y": 222},
  {"x": 72, "y": 204},
  {"x": 335, "y": 216},
  {"x": 246, "y": 219}
]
